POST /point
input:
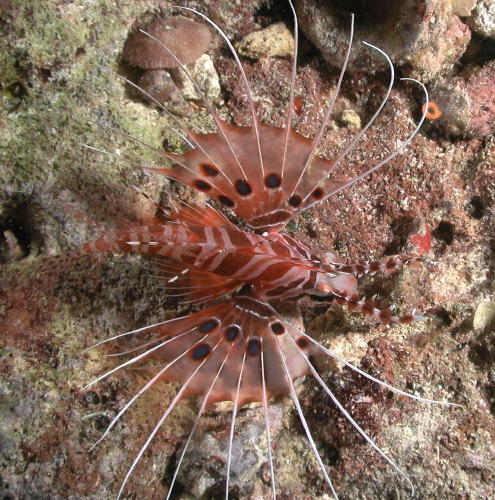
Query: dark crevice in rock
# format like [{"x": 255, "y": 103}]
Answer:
[
  {"x": 444, "y": 232},
  {"x": 18, "y": 231},
  {"x": 476, "y": 207}
]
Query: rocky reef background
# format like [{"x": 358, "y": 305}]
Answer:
[{"x": 57, "y": 94}]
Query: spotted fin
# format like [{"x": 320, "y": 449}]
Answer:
[
  {"x": 228, "y": 340},
  {"x": 239, "y": 350},
  {"x": 232, "y": 174},
  {"x": 268, "y": 175}
]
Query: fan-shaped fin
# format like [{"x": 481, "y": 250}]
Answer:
[
  {"x": 267, "y": 175},
  {"x": 247, "y": 325},
  {"x": 265, "y": 203},
  {"x": 218, "y": 353}
]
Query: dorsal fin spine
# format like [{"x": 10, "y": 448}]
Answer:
[
  {"x": 323, "y": 126},
  {"x": 243, "y": 76},
  {"x": 290, "y": 106}
]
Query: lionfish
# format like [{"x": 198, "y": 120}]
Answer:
[{"x": 240, "y": 349}]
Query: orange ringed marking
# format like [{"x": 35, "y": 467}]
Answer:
[{"x": 432, "y": 110}]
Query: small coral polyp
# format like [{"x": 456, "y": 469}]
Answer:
[{"x": 241, "y": 349}]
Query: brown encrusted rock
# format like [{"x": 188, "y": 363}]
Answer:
[
  {"x": 275, "y": 40},
  {"x": 187, "y": 41},
  {"x": 480, "y": 87},
  {"x": 463, "y": 8},
  {"x": 442, "y": 53},
  {"x": 482, "y": 20},
  {"x": 426, "y": 36},
  {"x": 484, "y": 317},
  {"x": 467, "y": 104},
  {"x": 327, "y": 25},
  {"x": 159, "y": 86},
  {"x": 185, "y": 38},
  {"x": 204, "y": 74},
  {"x": 203, "y": 469},
  {"x": 455, "y": 106}
]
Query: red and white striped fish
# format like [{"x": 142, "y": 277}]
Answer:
[{"x": 241, "y": 349}]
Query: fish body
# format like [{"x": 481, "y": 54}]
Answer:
[
  {"x": 241, "y": 349},
  {"x": 277, "y": 266}
]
